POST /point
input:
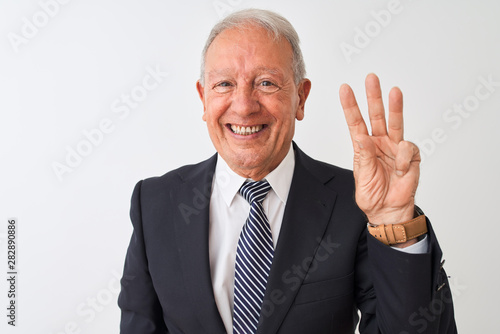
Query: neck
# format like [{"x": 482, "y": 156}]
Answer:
[{"x": 254, "y": 173}]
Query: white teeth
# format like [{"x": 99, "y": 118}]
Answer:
[{"x": 245, "y": 131}]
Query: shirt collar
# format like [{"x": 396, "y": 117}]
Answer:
[{"x": 280, "y": 178}]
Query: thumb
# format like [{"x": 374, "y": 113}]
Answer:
[{"x": 407, "y": 153}]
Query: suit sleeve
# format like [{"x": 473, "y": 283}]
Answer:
[
  {"x": 408, "y": 293},
  {"x": 141, "y": 311}
]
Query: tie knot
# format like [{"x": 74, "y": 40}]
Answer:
[{"x": 255, "y": 191}]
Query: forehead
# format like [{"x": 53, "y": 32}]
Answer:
[{"x": 248, "y": 47}]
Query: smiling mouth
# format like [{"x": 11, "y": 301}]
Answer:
[{"x": 246, "y": 130}]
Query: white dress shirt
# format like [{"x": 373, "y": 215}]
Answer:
[{"x": 228, "y": 213}]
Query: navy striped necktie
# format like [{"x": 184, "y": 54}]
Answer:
[{"x": 254, "y": 257}]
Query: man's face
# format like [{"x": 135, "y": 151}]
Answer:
[{"x": 250, "y": 99}]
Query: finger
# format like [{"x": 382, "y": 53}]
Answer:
[
  {"x": 352, "y": 114},
  {"x": 365, "y": 160},
  {"x": 407, "y": 153},
  {"x": 396, "y": 124},
  {"x": 375, "y": 105},
  {"x": 367, "y": 151}
]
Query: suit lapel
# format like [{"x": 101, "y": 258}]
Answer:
[
  {"x": 308, "y": 210},
  {"x": 192, "y": 237}
]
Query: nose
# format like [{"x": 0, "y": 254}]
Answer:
[{"x": 245, "y": 101}]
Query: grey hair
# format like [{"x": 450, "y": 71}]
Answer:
[{"x": 276, "y": 25}]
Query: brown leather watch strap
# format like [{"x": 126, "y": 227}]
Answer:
[{"x": 398, "y": 233}]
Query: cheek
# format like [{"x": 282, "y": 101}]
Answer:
[
  {"x": 213, "y": 120},
  {"x": 284, "y": 107},
  {"x": 215, "y": 111},
  {"x": 284, "y": 115},
  {"x": 210, "y": 114},
  {"x": 286, "y": 126}
]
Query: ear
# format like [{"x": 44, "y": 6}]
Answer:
[
  {"x": 201, "y": 94},
  {"x": 303, "y": 91}
]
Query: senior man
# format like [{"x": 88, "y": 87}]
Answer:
[{"x": 260, "y": 238}]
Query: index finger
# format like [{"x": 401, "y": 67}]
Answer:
[{"x": 353, "y": 117}]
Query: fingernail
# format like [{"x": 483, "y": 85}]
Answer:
[{"x": 359, "y": 144}]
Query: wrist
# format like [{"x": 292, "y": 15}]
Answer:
[{"x": 392, "y": 216}]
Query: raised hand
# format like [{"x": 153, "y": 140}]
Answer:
[{"x": 386, "y": 168}]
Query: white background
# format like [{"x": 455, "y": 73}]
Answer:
[{"x": 63, "y": 78}]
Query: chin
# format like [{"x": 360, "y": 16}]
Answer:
[{"x": 245, "y": 160}]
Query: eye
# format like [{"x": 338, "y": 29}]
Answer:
[
  {"x": 268, "y": 86},
  {"x": 223, "y": 87}
]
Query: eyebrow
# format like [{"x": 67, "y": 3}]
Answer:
[{"x": 225, "y": 71}]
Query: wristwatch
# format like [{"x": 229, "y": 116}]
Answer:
[{"x": 392, "y": 234}]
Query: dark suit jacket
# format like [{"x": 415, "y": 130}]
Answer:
[{"x": 325, "y": 267}]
